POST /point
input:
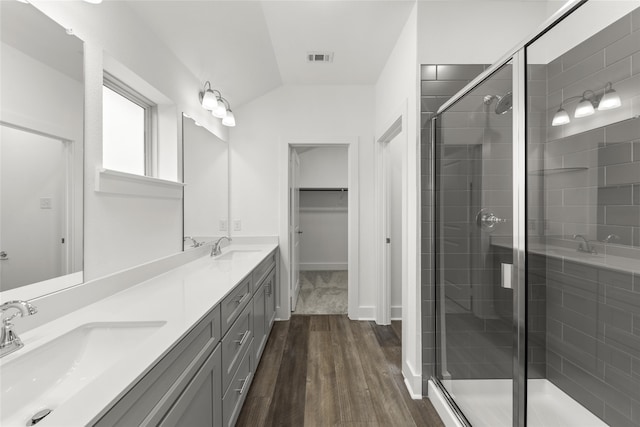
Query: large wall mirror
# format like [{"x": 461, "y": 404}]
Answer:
[
  {"x": 41, "y": 151},
  {"x": 206, "y": 190}
]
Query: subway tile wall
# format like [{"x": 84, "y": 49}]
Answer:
[
  {"x": 438, "y": 83},
  {"x": 589, "y": 181}
]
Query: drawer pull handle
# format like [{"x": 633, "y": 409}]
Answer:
[
  {"x": 244, "y": 338},
  {"x": 241, "y": 299},
  {"x": 269, "y": 289},
  {"x": 245, "y": 382}
]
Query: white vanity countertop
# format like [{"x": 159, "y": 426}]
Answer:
[
  {"x": 180, "y": 297},
  {"x": 600, "y": 260}
]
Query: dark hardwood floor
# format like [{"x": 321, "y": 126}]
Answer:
[{"x": 331, "y": 371}]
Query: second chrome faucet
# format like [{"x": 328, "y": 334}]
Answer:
[{"x": 215, "y": 249}]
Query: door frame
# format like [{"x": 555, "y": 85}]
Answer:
[
  {"x": 395, "y": 128},
  {"x": 284, "y": 298},
  {"x": 294, "y": 209},
  {"x": 383, "y": 221}
]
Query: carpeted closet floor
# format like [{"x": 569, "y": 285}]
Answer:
[{"x": 322, "y": 292}]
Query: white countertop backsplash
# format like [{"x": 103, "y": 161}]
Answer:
[{"x": 180, "y": 297}]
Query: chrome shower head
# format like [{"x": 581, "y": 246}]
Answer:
[{"x": 503, "y": 104}]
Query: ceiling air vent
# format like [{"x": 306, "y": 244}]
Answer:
[{"x": 319, "y": 56}]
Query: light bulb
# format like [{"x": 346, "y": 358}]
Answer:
[
  {"x": 610, "y": 99},
  {"x": 229, "y": 119},
  {"x": 209, "y": 101},
  {"x": 93, "y": 1},
  {"x": 584, "y": 108},
  {"x": 560, "y": 117},
  {"x": 220, "y": 110}
]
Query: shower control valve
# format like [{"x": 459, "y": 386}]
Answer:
[{"x": 488, "y": 220}]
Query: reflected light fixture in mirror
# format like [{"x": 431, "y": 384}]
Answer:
[{"x": 589, "y": 103}]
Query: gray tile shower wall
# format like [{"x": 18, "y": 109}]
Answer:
[
  {"x": 593, "y": 338},
  {"x": 596, "y": 196},
  {"x": 591, "y": 186},
  {"x": 439, "y": 83}
]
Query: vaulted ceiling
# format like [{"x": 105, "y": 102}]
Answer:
[{"x": 247, "y": 48}]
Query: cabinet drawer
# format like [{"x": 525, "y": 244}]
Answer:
[
  {"x": 235, "y": 344},
  {"x": 235, "y": 396},
  {"x": 261, "y": 271},
  {"x": 201, "y": 402},
  {"x": 166, "y": 377},
  {"x": 235, "y": 302}
]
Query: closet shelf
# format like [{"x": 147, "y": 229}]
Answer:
[{"x": 324, "y": 189}]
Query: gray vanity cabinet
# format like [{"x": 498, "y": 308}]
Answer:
[
  {"x": 194, "y": 406},
  {"x": 204, "y": 379},
  {"x": 270, "y": 299},
  {"x": 147, "y": 402}
]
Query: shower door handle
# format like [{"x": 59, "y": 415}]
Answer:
[
  {"x": 4, "y": 256},
  {"x": 507, "y": 270}
]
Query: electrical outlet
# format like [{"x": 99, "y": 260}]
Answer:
[
  {"x": 46, "y": 203},
  {"x": 237, "y": 225},
  {"x": 223, "y": 225}
]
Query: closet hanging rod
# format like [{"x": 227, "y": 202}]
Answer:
[{"x": 324, "y": 189}]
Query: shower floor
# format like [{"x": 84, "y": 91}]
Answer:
[{"x": 487, "y": 403}]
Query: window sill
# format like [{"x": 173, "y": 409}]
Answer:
[{"x": 115, "y": 182}]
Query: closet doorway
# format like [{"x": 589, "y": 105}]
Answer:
[
  {"x": 320, "y": 246},
  {"x": 320, "y": 229}
]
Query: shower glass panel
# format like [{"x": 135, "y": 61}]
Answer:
[
  {"x": 583, "y": 213},
  {"x": 473, "y": 235}
]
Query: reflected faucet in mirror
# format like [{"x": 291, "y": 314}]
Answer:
[
  {"x": 215, "y": 249},
  {"x": 9, "y": 340},
  {"x": 585, "y": 246},
  {"x": 194, "y": 242}
]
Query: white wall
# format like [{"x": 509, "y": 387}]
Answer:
[
  {"x": 474, "y": 32},
  {"x": 324, "y": 223},
  {"x": 123, "y": 231},
  {"x": 300, "y": 112},
  {"x": 397, "y": 95},
  {"x": 324, "y": 167}
]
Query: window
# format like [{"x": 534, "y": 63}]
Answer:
[{"x": 126, "y": 132}]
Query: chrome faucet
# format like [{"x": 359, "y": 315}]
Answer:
[
  {"x": 9, "y": 340},
  {"x": 215, "y": 249},
  {"x": 585, "y": 246}
]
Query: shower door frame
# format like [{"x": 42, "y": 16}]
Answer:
[{"x": 519, "y": 278}]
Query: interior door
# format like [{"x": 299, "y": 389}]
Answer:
[
  {"x": 294, "y": 226},
  {"x": 33, "y": 207}
]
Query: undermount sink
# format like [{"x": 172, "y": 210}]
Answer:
[
  {"x": 235, "y": 254},
  {"x": 45, "y": 376}
]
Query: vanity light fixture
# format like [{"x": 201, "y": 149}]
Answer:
[
  {"x": 212, "y": 100},
  {"x": 588, "y": 104},
  {"x": 610, "y": 99},
  {"x": 561, "y": 117},
  {"x": 208, "y": 98}
]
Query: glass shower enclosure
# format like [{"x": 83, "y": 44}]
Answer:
[{"x": 537, "y": 229}]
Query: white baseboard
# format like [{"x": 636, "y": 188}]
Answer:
[
  {"x": 323, "y": 266},
  {"x": 396, "y": 312},
  {"x": 412, "y": 380},
  {"x": 366, "y": 313}
]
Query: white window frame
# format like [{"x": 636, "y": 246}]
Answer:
[{"x": 150, "y": 117}]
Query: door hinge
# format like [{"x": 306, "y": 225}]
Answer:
[{"x": 388, "y": 240}]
